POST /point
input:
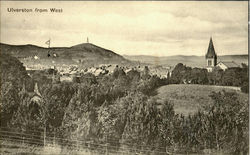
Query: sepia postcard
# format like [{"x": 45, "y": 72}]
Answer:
[{"x": 124, "y": 77}]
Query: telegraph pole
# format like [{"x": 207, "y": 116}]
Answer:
[{"x": 48, "y": 43}]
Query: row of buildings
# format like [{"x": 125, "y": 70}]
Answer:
[{"x": 68, "y": 72}]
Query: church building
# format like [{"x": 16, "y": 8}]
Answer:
[
  {"x": 211, "y": 60},
  {"x": 211, "y": 57}
]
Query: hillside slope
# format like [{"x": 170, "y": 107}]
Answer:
[
  {"x": 188, "y": 99},
  {"x": 85, "y": 53}
]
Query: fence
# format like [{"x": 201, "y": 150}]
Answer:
[{"x": 106, "y": 146}]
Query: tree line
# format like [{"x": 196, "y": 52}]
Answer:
[
  {"x": 120, "y": 106},
  {"x": 230, "y": 77}
]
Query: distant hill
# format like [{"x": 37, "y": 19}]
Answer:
[
  {"x": 85, "y": 53},
  {"x": 88, "y": 54},
  {"x": 193, "y": 61}
]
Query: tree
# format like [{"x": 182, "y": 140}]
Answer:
[
  {"x": 198, "y": 76},
  {"x": 133, "y": 75},
  {"x": 79, "y": 119},
  {"x": 245, "y": 87},
  {"x": 56, "y": 98},
  {"x": 141, "y": 120},
  {"x": 215, "y": 77},
  {"x": 13, "y": 76},
  {"x": 118, "y": 72},
  {"x": 145, "y": 73},
  {"x": 28, "y": 116},
  {"x": 179, "y": 72},
  {"x": 148, "y": 86},
  {"x": 228, "y": 119}
]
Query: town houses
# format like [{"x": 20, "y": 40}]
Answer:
[{"x": 67, "y": 72}]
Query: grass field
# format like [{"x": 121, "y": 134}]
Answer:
[{"x": 187, "y": 99}]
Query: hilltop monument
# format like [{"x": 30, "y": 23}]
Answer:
[{"x": 211, "y": 57}]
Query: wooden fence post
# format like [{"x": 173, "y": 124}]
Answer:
[
  {"x": 44, "y": 136},
  {"x": 77, "y": 134},
  {"x": 106, "y": 145},
  {"x": 54, "y": 139}
]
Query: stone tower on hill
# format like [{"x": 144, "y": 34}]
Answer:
[{"x": 211, "y": 57}]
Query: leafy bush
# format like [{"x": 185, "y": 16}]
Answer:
[{"x": 245, "y": 87}]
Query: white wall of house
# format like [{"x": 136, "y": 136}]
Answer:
[
  {"x": 209, "y": 69},
  {"x": 222, "y": 66}
]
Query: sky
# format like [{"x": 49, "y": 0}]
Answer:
[{"x": 158, "y": 28}]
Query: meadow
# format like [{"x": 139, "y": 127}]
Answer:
[{"x": 189, "y": 98}]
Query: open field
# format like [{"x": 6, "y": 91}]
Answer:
[{"x": 187, "y": 99}]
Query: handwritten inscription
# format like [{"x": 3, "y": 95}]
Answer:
[{"x": 35, "y": 10}]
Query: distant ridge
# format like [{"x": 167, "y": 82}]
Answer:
[
  {"x": 90, "y": 54},
  {"x": 189, "y": 60}
]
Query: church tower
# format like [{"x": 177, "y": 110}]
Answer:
[{"x": 211, "y": 57}]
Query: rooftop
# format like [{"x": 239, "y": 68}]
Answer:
[{"x": 229, "y": 64}]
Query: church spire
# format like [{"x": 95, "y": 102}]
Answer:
[
  {"x": 211, "y": 56},
  {"x": 210, "y": 51}
]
